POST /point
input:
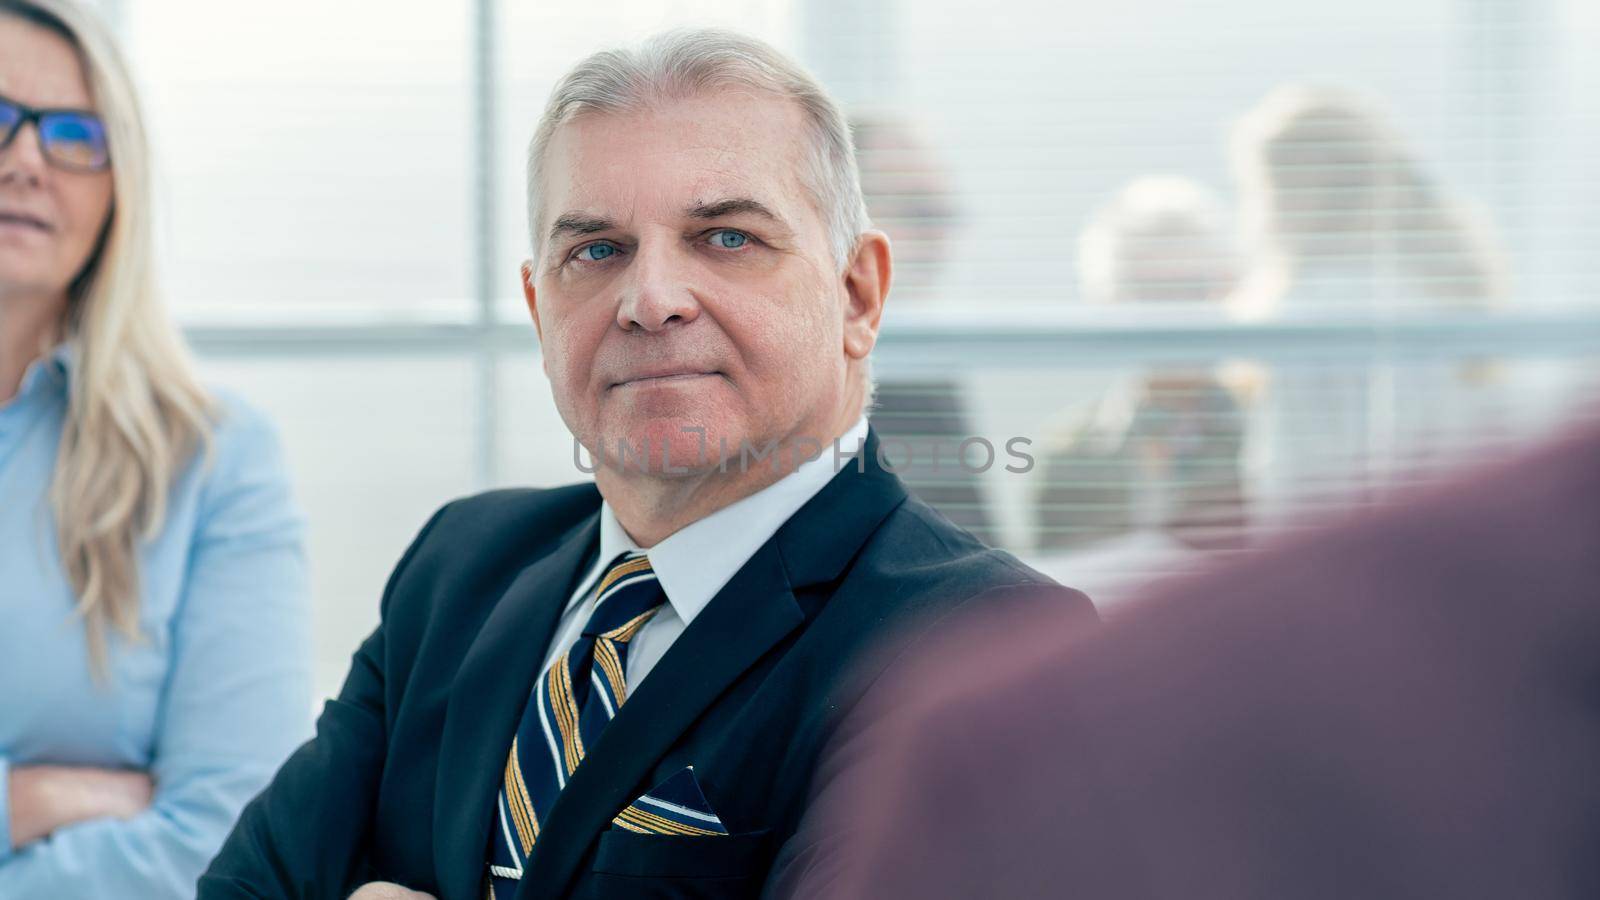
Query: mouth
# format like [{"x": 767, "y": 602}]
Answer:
[
  {"x": 664, "y": 378},
  {"x": 23, "y": 220}
]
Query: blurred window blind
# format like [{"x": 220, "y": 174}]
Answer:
[
  {"x": 312, "y": 158},
  {"x": 1219, "y": 266},
  {"x": 1323, "y": 177}
]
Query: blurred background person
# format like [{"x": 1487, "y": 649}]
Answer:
[
  {"x": 154, "y": 661},
  {"x": 1152, "y": 472},
  {"x": 1161, "y": 239},
  {"x": 1343, "y": 220},
  {"x": 1338, "y": 212},
  {"x": 923, "y": 419}
]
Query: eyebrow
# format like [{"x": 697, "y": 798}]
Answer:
[
  {"x": 732, "y": 206},
  {"x": 578, "y": 223}
]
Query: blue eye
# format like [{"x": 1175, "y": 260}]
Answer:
[
  {"x": 600, "y": 252},
  {"x": 728, "y": 239}
]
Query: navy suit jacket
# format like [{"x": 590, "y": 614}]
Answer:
[{"x": 399, "y": 783}]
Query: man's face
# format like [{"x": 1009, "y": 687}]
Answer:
[{"x": 685, "y": 281}]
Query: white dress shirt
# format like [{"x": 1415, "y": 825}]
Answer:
[{"x": 694, "y": 562}]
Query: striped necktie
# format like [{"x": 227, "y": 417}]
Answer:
[{"x": 571, "y": 705}]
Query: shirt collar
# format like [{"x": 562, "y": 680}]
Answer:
[
  {"x": 54, "y": 368},
  {"x": 694, "y": 562}
]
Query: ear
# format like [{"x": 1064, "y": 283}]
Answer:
[
  {"x": 529, "y": 292},
  {"x": 866, "y": 284},
  {"x": 532, "y": 295}
]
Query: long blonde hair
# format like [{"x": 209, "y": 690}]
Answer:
[
  {"x": 136, "y": 412},
  {"x": 1439, "y": 245}
]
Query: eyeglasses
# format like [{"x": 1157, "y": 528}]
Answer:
[{"x": 71, "y": 139}]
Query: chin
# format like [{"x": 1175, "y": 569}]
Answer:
[
  {"x": 683, "y": 426},
  {"x": 694, "y": 442},
  {"x": 19, "y": 278},
  {"x": 664, "y": 444}
]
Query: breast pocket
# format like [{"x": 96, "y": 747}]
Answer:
[{"x": 629, "y": 864}]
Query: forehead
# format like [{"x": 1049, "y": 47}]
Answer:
[
  {"x": 39, "y": 67},
  {"x": 665, "y": 158}
]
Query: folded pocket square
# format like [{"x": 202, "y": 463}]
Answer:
[{"x": 675, "y": 806}]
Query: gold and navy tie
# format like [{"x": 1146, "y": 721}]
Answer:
[{"x": 570, "y": 706}]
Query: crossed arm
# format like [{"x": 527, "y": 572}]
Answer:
[
  {"x": 44, "y": 799},
  {"x": 232, "y": 705}
]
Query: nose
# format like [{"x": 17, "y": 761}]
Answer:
[
  {"x": 22, "y": 160},
  {"x": 657, "y": 291}
]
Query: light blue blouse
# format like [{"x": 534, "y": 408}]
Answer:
[{"x": 210, "y": 701}]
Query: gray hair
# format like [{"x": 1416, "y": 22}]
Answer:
[{"x": 682, "y": 63}]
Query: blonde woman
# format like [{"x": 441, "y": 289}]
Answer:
[
  {"x": 1340, "y": 214},
  {"x": 1343, "y": 217},
  {"x": 1149, "y": 475},
  {"x": 153, "y": 657}
]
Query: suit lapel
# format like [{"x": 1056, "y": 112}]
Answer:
[
  {"x": 750, "y": 615},
  {"x": 486, "y": 703}
]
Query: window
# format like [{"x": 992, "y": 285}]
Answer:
[
  {"x": 313, "y": 158},
  {"x": 1220, "y": 265}
]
